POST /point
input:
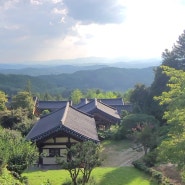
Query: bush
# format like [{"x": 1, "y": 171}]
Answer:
[
  {"x": 150, "y": 159},
  {"x": 158, "y": 176},
  {"x": 116, "y": 132},
  {"x": 132, "y": 120}
]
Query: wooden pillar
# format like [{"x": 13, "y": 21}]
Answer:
[{"x": 40, "y": 162}]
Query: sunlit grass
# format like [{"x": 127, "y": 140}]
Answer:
[{"x": 101, "y": 176}]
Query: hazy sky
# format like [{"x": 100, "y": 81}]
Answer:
[{"x": 66, "y": 29}]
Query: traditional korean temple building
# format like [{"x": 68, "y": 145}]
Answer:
[
  {"x": 117, "y": 103},
  {"x": 104, "y": 115},
  {"x": 51, "y": 106},
  {"x": 55, "y": 132}
]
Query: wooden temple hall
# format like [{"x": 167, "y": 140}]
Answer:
[
  {"x": 66, "y": 125},
  {"x": 55, "y": 132}
]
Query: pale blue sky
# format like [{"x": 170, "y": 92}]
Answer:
[{"x": 38, "y": 30}]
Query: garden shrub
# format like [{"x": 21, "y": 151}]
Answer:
[
  {"x": 158, "y": 176},
  {"x": 132, "y": 120},
  {"x": 150, "y": 159}
]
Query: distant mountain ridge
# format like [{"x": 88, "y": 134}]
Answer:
[
  {"x": 73, "y": 65},
  {"x": 49, "y": 70},
  {"x": 106, "y": 78}
]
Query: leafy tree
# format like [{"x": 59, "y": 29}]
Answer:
[
  {"x": 127, "y": 95},
  {"x": 76, "y": 95},
  {"x": 172, "y": 148},
  {"x": 82, "y": 157},
  {"x": 23, "y": 100},
  {"x": 28, "y": 86},
  {"x": 146, "y": 135},
  {"x": 17, "y": 119},
  {"x": 4, "y": 152},
  {"x": 130, "y": 122},
  {"x": 16, "y": 153},
  {"x": 175, "y": 59},
  {"x": 23, "y": 154},
  {"x": 3, "y": 101},
  {"x": 138, "y": 97},
  {"x": 91, "y": 93},
  {"x": 47, "y": 97}
]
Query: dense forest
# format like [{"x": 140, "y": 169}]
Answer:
[{"x": 108, "y": 79}]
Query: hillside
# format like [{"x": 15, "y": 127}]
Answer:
[
  {"x": 108, "y": 78},
  {"x": 45, "y": 69}
]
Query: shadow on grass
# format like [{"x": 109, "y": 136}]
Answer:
[
  {"x": 121, "y": 176},
  {"x": 119, "y": 145}
]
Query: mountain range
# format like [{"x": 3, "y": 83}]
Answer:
[
  {"x": 70, "y": 66},
  {"x": 105, "y": 78}
]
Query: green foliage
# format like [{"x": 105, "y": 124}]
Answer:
[
  {"x": 45, "y": 112},
  {"x": 113, "y": 133},
  {"x": 23, "y": 100},
  {"x": 146, "y": 134},
  {"x": 119, "y": 80},
  {"x": 17, "y": 119},
  {"x": 150, "y": 159},
  {"x": 127, "y": 95},
  {"x": 138, "y": 97},
  {"x": 172, "y": 148},
  {"x": 174, "y": 59},
  {"x": 119, "y": 132},
  {"x": 158, "y": 176},
  {"x": 76, "y": 95},
  {"x": 3, "y": 101},
  {"x": 4, "y": 152},
  {"x": 6, "y": 178},
  {"x": 16, "y": 153},
  {"x": 82, "y": 157},
  {"x": 132, "y": 120},
  {"x": 22, "y": 156}
]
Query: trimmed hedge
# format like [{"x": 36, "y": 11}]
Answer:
[{"x": 158, "y": 176}]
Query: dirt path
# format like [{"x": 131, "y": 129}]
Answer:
[{"x": 120, "y": 157}]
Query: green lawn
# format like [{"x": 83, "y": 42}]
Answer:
[{"x": 101, "y": 176}]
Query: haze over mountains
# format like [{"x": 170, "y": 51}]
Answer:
[
  {"x": 53, "y": 78},
  {"x": 73, "y": 65}
]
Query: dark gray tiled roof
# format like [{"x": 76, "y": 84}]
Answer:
[
  {"x": 51, "y": 104},
  {"x": 127, "y": 107},
  {"x": 112, "y": 101},
  {"x": 95, "y": 106},
  {"x": 109, "y": 101},
  {"x": 67, "y": 118},
  {"x": 83, "y": 101}
]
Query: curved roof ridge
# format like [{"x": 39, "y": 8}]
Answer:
[
  {"x": 65, "y": 113},
  {"x": 95, "y": 102},
  {"x": 90, "y": 115},
  {"x": 106, "y": 104}
]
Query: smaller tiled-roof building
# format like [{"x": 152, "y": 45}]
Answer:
[
  {"x": 51, "y": 106},
  {"x": 117, "y": 103},
  {"x": 55, "y": 132},
  {"x": 104, "y": 114}
]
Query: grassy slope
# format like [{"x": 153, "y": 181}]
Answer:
[
  {"x": 7, "y": 179},
  {"x": 102, "y": 176}
]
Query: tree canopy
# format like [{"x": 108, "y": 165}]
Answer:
[
  {"x": 3, "y": 101},
  {"x": 172, "y": 149},
  {"x": 174, "y": 58},
  {"x": 15, "y": 152},
  {"x": 82, "y": 157}
]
